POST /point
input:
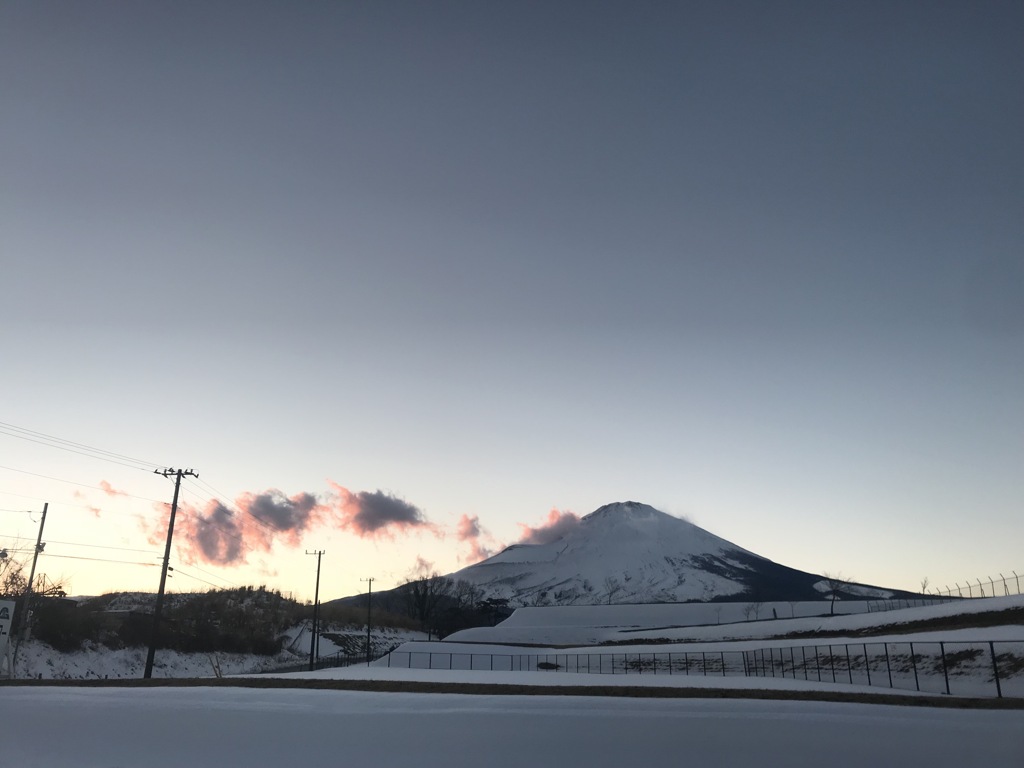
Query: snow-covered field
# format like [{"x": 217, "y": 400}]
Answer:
[
  {"x": 95, "y": 661},
  {"x": 961, "y": 662},
  {"x": 53, "y": 727},
  {"x": 223, "y": 727},
  {"x": 696, "y": 622}
]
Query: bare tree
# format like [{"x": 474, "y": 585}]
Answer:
[
  {"x": 835, "y": 582},
  {"x": 612, "y": 587},
  {"x": 13, "y": 581},
  {"x": 924, "y": 585},
  {"x": 422, "y": 593}
]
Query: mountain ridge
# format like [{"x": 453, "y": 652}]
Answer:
[{"x": 630, "y": 552}]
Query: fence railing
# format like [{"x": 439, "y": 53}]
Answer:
[
  {"x": 980, "y": 669},
  {"x": 961, "y": 668},
  {"x": 324, "y": 662},
  {"x": 987, "y": 587},
  {"x": 874, "y": 606}
]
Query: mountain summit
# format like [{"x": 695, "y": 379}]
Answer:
[{"x": 630, "y": 552}]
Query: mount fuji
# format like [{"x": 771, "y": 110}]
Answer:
[{"x": 629, "y": 552}]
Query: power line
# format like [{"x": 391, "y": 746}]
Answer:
[
  {"x": 213, "y": 575},
  {"x": 72, "y": 482},
  {"x": 74, "y": 447},
  {"x": 180, "y": 572},
  {"x": 90, "y": 507},
  {"x": 98, "y": 559},
  {"x": 104, "y": 546}
]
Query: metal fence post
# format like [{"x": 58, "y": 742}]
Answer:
[
  {"x": 867, "y": 663},
  {"x": 849, "y": 668},
  {"x": 888, "y": 666},
  {"x": 913, "y": 661},
  {"x": 995, "y": 669},
  {"x": 945, "y": 670}
]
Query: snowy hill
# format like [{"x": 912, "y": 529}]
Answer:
[{"x": 629, "y": 552}]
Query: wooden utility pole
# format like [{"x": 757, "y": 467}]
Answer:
[
  {"x": 155, "y": 637},
  {"x": 369, "y": 595},
  {"x": 27, "y": 602},
  {"x": 35, "y": 557},
  {"x": 314, "y": 640}
]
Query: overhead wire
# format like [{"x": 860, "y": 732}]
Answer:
[
  {"x": 72, "y": 446},
  {"x": 178, "y": 571},
  {"x": 82, "y": 485},
  {"x": 98, "y": 559}
]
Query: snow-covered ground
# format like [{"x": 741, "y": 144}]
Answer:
[
  {"x": 956, "y": 661},
  {"x": 225, "y": 727},
  {"x": 695, "y": 622},
  {"x": 38, "y": 660}
]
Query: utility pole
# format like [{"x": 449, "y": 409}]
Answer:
[
  {"x": 40, "y": 546},
  {"x": 369, "y": 595},
  {"x": 155, "y": 637},
  {"x": 314, "y": 640}
]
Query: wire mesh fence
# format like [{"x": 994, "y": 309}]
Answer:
[
  {"x": 961, "y": 668},
  {"x": 977, "y": 669},
  {"x": 896, "y": 604},
  {"x": 987, "y": 587}
]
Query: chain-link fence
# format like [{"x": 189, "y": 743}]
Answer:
[
  {"x": 987, "y": 587},
  {"x": 977, "y": 669}
]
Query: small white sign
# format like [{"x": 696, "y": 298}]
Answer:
[{"x": 6, "y": 616}]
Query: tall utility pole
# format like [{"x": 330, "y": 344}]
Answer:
[
  {"x": 35, "y": 557},
  {"x": 27, "y": 606},
  {"x": 369, "y": 595},
  {"x": 314, "y": 640},
  {"x": 155, "y": 637}
]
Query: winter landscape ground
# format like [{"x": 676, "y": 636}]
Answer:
[
  {"x": 871, "y": 678},
  {"x": 483, "y": 718},
  {"x": 69, "y": 727}
]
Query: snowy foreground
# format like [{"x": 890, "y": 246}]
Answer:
[{"x": 57, "y": 727}]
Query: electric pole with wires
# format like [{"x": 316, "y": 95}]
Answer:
[
  {"x": 314, "y": 640},
  {"x": 158, "y": 608},
  {"x": 369, "y": 596}
]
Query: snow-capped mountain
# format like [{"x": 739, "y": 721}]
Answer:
[{"x": 629, "y": 552}]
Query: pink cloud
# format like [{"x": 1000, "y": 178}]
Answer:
[
  {"x": 481, "y": 544},
  {"x": 111, "y": 490},
  {"x": 378, "y": 514},
  {"x": 557, "y": 525}
]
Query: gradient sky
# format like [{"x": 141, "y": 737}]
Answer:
[{"x": 760, "y": 265}]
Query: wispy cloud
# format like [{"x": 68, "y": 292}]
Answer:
[
  {"x": 481, "y": 544},
  {"x": 82, "y": 497},
  {"x": 111, "y": 490},
  {"x": 557, "y": 525}
]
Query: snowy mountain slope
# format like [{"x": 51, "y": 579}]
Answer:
[{"x": 630, "y": 552}]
